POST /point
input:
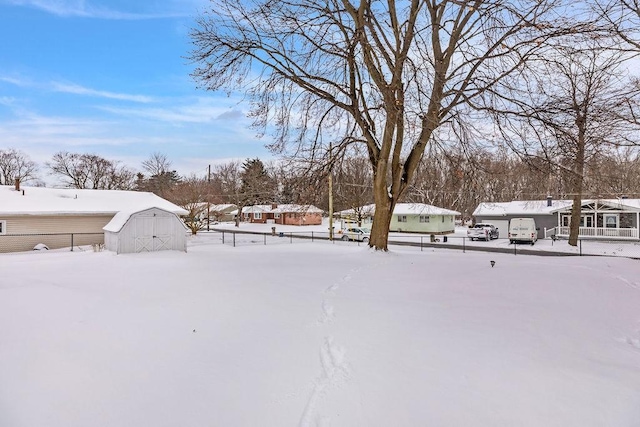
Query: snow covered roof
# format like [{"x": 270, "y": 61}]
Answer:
[
  {"x": 540, "y": 207},
  {"x": 405, "y": 209},
  {"x": 121, "y": 218},
  {"x": 66, "y": 201},
  {"x": 221, "y": 207},
  {"x": 421, "y": 209},
  {"x": 286, "y": 208}
]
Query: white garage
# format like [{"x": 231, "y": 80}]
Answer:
[{"x": 148, "y": 230}]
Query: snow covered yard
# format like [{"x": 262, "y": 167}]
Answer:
[{"x": 318, "y": 334}]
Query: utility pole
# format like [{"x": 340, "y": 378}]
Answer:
[
  {"x": 330, "y": 193},
  {"x": 208, "y": 197}
]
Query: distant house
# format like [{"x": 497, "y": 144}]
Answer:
[
  {"x": 287, "y": 214},
  {"x": 222, "y": 212},
  {"x": 409, "y": 217},
  {"x": 616, "y": 219},
  {"x": 65, "y": 217}
]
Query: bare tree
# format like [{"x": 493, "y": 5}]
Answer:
[
  {"x": 353, "y": 184},
  {"x": 157, "y": 164},
  {"x": 160, "y": 178},
  {"x": 623, "y": 17},
  {"x": 191, "y": 194},
  {"x": 574, "y": 105},
  {"x": 14, "y": 165},
  {"x": 229, "y": 180},
  {"x": 91, "y": 171},
  {"x": 386, "y": 75}
]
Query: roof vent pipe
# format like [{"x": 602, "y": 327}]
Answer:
[
  {"x": 17, "y": 184},
  {"x": 549, "y": 201}
]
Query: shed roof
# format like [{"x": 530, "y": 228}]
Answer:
[
  {"x": 67, "y": 201},
  {"x": 121, "y": 218}
]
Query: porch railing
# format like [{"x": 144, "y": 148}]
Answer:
[{"x": 596, "y": 232}]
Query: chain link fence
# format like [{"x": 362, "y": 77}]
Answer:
[
  {"x": 235, "y": 238},
  {"x": 544, "y": 247},
  {"x": 29, "y": 242}
]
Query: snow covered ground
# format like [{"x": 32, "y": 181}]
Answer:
[
  {"x": 629, "y": 249},
  {"x": 317, "y": 334}
]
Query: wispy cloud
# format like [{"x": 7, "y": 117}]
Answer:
[
  {"x": 7, "y": 101},
  {"x": 83, "y": 9},
  {"x": 199, "y": 111},
  {"x": 81, "y": 90},
  {"x": 15, "y": 81}
]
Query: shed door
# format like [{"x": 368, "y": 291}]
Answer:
[{"x": 152, "y": 233}]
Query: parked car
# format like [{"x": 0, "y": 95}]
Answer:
[
  {"x": 523, "y": 230},
  {"x": 483, "y": 230},
  {"x": 360, "y": 234}
]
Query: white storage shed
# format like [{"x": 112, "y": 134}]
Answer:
[{"x": 147, "y": 230}]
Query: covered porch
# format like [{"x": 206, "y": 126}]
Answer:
[{"x": 600, "y": 219}]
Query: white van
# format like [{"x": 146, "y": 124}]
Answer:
[{"x": 523, "y": 230}]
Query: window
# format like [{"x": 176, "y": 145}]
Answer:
[
  {"x": 424, "y": 218},
  {"x": 257, "y": 215},
  {"x": 565, "y": 220},
  {"x": 276, "y": 215},
  {"x": 442, "y": 218},
  {"x": 3, "y": 227},
  {"x": 610, "y": 220},
  {"x": 402, "y": 218}
]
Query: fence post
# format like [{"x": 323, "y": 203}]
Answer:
[
  {"x": 464, "y": 248},
  {"x": 515, "y": 248},
  {"x": 291, "y": 237},
  {"x": 312, "y": 237},
  {"x": 265, "y": 239},
  {"x": 234, "y": 239},
  {"x": 71, "y": 242},
  {"x": 580, "y": 247},
  {"x": 223, "y": 237},
  {"x": 420, "y": 243}
]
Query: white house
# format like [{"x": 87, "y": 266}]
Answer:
[{"x": 409, "y": 217}]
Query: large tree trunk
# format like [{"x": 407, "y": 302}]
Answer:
[
  {"x": 574, "y": 226},
  {"x": 578, "y": 179},
  {"x": 382, "y": 216}
]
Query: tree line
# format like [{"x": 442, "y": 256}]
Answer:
[{"x": 450, "y": 178}]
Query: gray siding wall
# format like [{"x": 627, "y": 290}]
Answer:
[{"x": 542, "y": 222}]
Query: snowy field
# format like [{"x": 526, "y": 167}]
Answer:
[
  {"x": 630, "y": 249},
  {"x": 318, "y": 334}
]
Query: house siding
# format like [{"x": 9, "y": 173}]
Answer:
[
  {"x": 301, "y": 219},
  {"x": 413, "y": 224},
  {"x": 61, "y": 225},
  {"x": 547, "y": 221}
]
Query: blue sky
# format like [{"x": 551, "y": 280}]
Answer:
[{"x": 110, "y": 77}]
